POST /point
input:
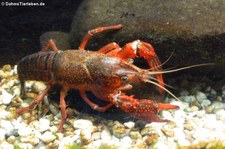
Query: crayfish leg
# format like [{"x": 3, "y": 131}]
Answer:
[
  {"x": 93, "y": 105},
  {"x": 62, "y": 106},
  {"x": 51, "y": 44},
  {"x": 39, "y": 99},
  {"x": 95, "y": 31}
]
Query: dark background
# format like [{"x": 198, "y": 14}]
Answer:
[{"x": 21, "y": 26}]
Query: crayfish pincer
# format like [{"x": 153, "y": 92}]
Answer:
[{"x": 106, "y": 73}]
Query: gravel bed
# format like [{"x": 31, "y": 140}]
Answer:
[{"x": 199, "y": 123}]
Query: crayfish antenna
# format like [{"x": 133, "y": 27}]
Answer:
[
  {"x": 152, "y": 82},
  {"x": 179, "y": 69}
]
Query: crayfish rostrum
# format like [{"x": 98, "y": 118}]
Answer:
[{"x": 106, "y": 73}]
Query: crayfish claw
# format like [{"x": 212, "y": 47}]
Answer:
[
  {"x": 165, "y": 106},
  {"x": 143, "y": 109}
]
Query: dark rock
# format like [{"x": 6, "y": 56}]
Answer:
[{"x": 191, "y": 31}]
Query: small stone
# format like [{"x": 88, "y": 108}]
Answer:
[
  {"x": 5, "y": 124},
  {"x": 6, "y": 145},
  {"x": 200, "y": 96},
  {"x": 47, "y": 137},
  {"x": 11, "y": 139},
  {"x": 217, "y": 106},
  {"x": 167, "y": 132},
  {"x": 54, "y": 108},
  {"x": 188, "y": 126},
  {"x": 28, "y": 84},
  {"x": 53, "y": 145},
  {"x": 44, "y": 124},
  {"x": 16, "y": 91},
  {"x": 209, "y": 109},
  {"x": 219, "y": 98},
  {"x": 183, "y": 142},
  {"x": 188, "y": 99},
  {"x": 12, "y": 132},
  {"x": 220, "y": 115},
  {"x": 2, "y": 135},
  {"x": 127, "y": 141},
  {"x": 26, "y": 115},
  {"x": 6, "y": 97},
  {"x": 213, "y": 92},
  {"x": 2, "y": 73},
  {"x": 135, "y": 135},
  {"x": 119, "y": 130},
  {"x": 194, "y": 108},
  {"x": 26, "y": 131},
  {"x": 7, "y": 67},
  {"x": 59, "y": 136},
  {"x": 25, "y": 145},
  {"x": 30, "y": 139},
  {"x": 85, "y": 135},
  {"x": 205, "y": 103},
  {"x": 15, "y": 70},
  {"x": 149, "y": 140},
  {"x": 105, "y": 135},
  {"x": 96, "y": 136},
  {"x": 129, "y": 124},
  {"x": 82, "y": 124},
  {"x": 39, "y": 86},
  {"x": 4, "y": 114},
  {"x": 148, "y": 130}
]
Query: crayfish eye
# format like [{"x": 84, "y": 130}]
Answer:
[{"x": 124, "y": 78}]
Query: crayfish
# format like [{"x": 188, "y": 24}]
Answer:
[{"x": 106, "y": 73}]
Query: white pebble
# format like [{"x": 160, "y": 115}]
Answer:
[
  {"x": 7, "y": 125},
  {"x": 15, "y": 70},
  {"x": 217, "y": 105},
  {"x": 28, "y": 84},
  {"x": 6, "y": 145},
  {"x": 220, "y": 115},
  {"x": 39, "y": 86},
  {"x": 82, "y": 124},
  {"x": 3, "y": 114},
  {"x": 106, "y": 136},
  {"x": 30, "y": 139},
  {"x": 47, "y": 137},
  {"x": 2, "y": 134},
  {"x": 213, "y": 92},
  {"x": 129, "y": 124},
  {"x": 205, "y": 103},
  {"x": 26, "y": 131},
  {"x": 67, "y": 141},
  {"x": 188, "y": 99},
  {"x": 200, "y": 96},
  {"x": 6, "y": 97},
  {"x": 183, "y": 142},
  {"x": 16, "y": 91},
  {"x": 126, "y": 141},
  {"x": 44, "y": 124},
  {"x": 85, "y": 134}
]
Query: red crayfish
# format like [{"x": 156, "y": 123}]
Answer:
[{"x": 106, "y": 73}]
